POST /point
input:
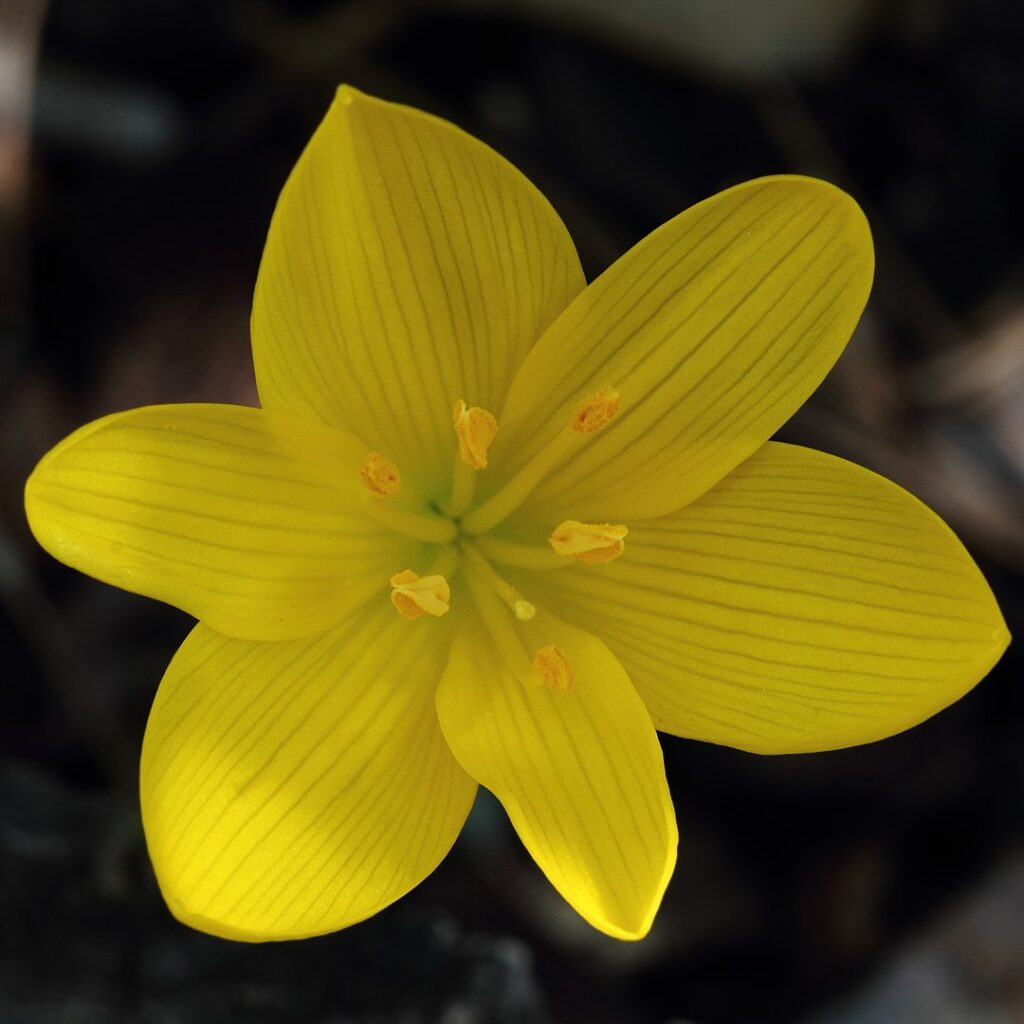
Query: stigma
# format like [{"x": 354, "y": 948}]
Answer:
[
  {"x": 553, "y": 667},
  {"x": 380, "y": 476},
  {"x": 590, "y": 543},
  {"x": 415, "y": 596},
  {"x": 475, "y": 429}
]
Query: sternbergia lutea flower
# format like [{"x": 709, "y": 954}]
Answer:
[{"x": 492, "y": 525}]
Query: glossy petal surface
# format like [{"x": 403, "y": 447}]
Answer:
[
  {"x": 292, "y": 789},
  {"x": 802, "y": 604},
  {"x": 247, "y": 520},
  {"x": 408, "y": 266},
  {"x": 714, "y": 330},
  {"x": 580, "y": 773}
]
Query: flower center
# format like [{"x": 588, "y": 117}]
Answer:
[{"x": 461, "y": 535}]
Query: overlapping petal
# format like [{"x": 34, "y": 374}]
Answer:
[
  {"x": 407, "y": 266},
  {"x": 292, "y": 789},
  {"x": 714, "y": 330},
  {"x": 802, "y": 604},
  {"x": 247, "y": 520},
  {"x": 579, "y": 772}
]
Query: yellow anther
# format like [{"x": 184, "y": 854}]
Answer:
[
  {"x": 475, "y": 428},
  {"x": 595, "y": 411},
  {"x": 551, "y": 664},
  {"x": 379, "y": 475},
  {"x": 590, "y": 543},
  {"x": 414, "y": 595}
]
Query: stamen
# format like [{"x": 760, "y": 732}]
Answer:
[
  {"x": 463, "y": 489},
  {"x": 548, "y": 666},
  {"x": 380, "y": 476},
  {"x": 595, "y": 411},
  {"x": 506, "y": 636},
  {"x": 590, "y": 543},
  {"x": 424, "y": 526},
  {"x": 475, "y": 428},
  {"x": 521, "y": 608},
  {"x": 519, "y": 556},
  {"x": 414, "y": 596},
  {"x": 551, "y": 664},
  {"x": 592, "y": 414}
]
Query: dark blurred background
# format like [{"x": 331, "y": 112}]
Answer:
[{"x": 142, "y": 146}]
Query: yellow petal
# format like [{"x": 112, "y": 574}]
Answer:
[
  {"x": 293, "y": 789},
  {"x": 578, "y": 769},
  {"x": 245, "y": 519},
  {"x": 713, "y": 330},
  {"x": 802, "y": 604},
  {"x": 407, "y": 266}
]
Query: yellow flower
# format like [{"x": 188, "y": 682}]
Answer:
[{"x": 495, "y": 526}]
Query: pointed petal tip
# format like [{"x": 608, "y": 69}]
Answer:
[
  {"x": 222, "y": 929},
  {"x": 804, "y": 181},
  {"x": 859, "y": 230},
  {"x": 346, "y": 94},
  {"x": 209, "y": 925},
  {"x": 1001, "y": 640},
  {"x": 638, "y": 926},
  {"x": 52, "y": 454},
  {"x": 30, "y": 497},
  {"x": 349, "y": 96},
  {"x": 1002, "y": 637},
  {"x": 182, "y": 908},
  {"x": 42, "y": 528},
  {"x": 955, "y": 686},
  {"x": 219, "y": 928}
]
